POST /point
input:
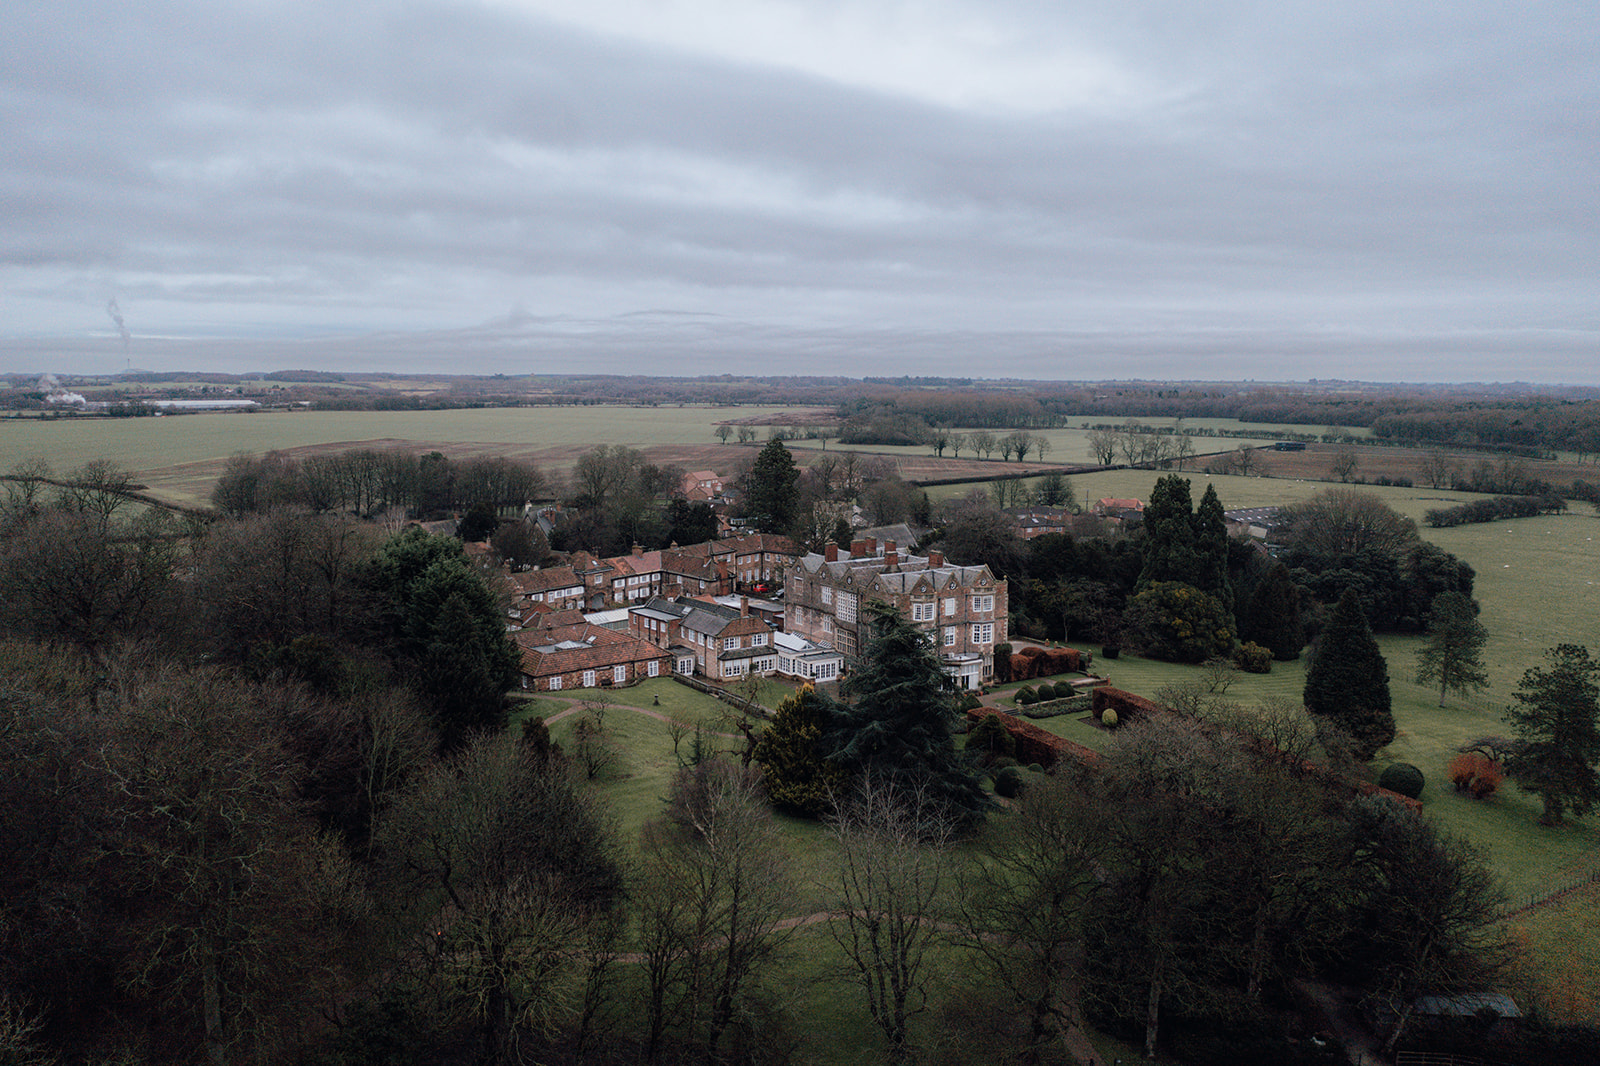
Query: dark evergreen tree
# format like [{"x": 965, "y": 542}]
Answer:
[
  {"x": 898, "y": 726},
  {"x": 797, "y": 777},
  {"x": 1273, "y": 618},
  {"x": 1348, "y": 680},
  {"x": 1170, "y": 552},
  {"x": 1453, "y": 652},
  {"x": 446, "y": 631},
  {"x": 1557, "y": 716},
  {"x": 773, "y": 498},
  {"x": 1211, "y": 550}
]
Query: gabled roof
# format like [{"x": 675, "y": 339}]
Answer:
[
  {"x": 580, "y": 647},
  {"x": 551, "y": 577}
]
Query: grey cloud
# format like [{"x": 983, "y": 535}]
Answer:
[{"x": 1376, "y": 185}]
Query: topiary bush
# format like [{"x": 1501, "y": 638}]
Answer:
[
  {"x": 1046, "y": 692},
  {"x": 1026, "y": 695},
  {"x": 1108, "y": 718},
  {"x": 1252, "y": 658},
  {"x": 969, "y": 701},
  {"x": 990, "y": 739},
  {"x": 1403, "y": 778},
  {"x": 1111, "y": 651},
  {"x": 1008, "y": 782}
]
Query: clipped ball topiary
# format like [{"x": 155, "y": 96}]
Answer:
[
  {"x": 1026, "y": 695},
  {"x": 1111, "y": 651},
  {"x": 1008, "y": 782},
  {"x": 1046, "y": 692},
  {"x": 1403, "y": 778},
  {"x": 1108, "y": 718}
]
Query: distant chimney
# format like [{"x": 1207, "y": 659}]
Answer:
[
  {"x": 935, "y": 559},
  {"x": 891, "y": 557},
  {"x": 872, "y": 545},
  {"x": 831, "y": 552},
  {"x": 744, "y": 606},
  {"x": 888, "y": 546},
  {"x": 858, "y": 548},
  {"x": 638, "y": 550}
]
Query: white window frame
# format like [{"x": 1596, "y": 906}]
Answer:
[
  {"x": 758, "y": 640},
  {"x": 983, "y": 632},
  {"x": 588, "y": 679},
  {"x": 653, "y": 668},
  {"x": 827, "y": 595},
  {"x": 923, "y": 612},
  {"x": 619, "y": 674},
  {"x": 950, "y": 606},
  {"x": 950, "y": 636},
  {"x": 730, "y": 643},
  {"x": 982, "y": 604},
  {"x": 555, "y": 683}
]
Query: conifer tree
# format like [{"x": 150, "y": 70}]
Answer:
[
  {"x": 774, "y": 489},
  {"x": 1348, "y": 681},
  {"x": 897, "y": 729},
  {"x": 1273, "y": 618},
  {"x": 1211, "y": 550},
  {"x": 1170, "y": 552},
  {"x": 1453, "y": 653},
  {"x": 1557, "y": 716},
  {"x": 797, "y": 776}
]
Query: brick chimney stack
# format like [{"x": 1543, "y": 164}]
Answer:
[
  {"x": 891, "y": 558},
  {"x": 858, "y": 548},
  {"x": 831, "y": 552},
  {"x": 935, "y": 559},
  {"x": 744, "y": 606}
]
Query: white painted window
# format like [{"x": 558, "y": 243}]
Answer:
[
  {"x": 922, "y": 612},
  {"x": 827, "y": 594},
  {"x": 983, "y": 603},
  {"x": 847, "y": 607},
  {"x": 619, "y": 674},
  {"x": 653, "y": 669},
  {"x": 588, "y": 679},
  {"x": 758, "y": 640},
  {"x": 555, "y": 682},
  {"x": 730, "y": 643},
  {"x": 949, "y": 606},
  {"x": 983, "y": 632},
  {"x": 949, "y": 636}
]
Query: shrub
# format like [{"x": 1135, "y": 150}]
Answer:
[
  {"x": 1108, "y": 718},
  {"x": 1475, "y": 772},
  {"x": 1008, "y": 782},
  {"x": 1026, "y": 695},
  {"x": 1111, "y": 651},
  {"x": 970, "y": 700},
  {"x": 991, "y": 738},
  {"x": 1035, "y": 768},
  {"x": 1403, "y": 778},
  {"x": 1002, "y": 762},
  {"x": 1046, "y": 692},
  {"x": 1252, "y": 658}
]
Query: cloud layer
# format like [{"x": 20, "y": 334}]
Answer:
[{"x": 700, "y": 186}]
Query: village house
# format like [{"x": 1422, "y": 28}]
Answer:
[
  {"x": 722, "y": 642},
  {"x": 555, "y": 586},
  {"x": 962, "y": 609},
  {"x": 586, "y": 656},
  {"x": 1034, "y": 522}
]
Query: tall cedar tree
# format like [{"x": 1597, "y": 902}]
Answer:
[
  {"x": 798, "y": 778},
  {"x": 1273, "y": 619},
  {"x": 1557, "y": 715},
  {"x": 1453, "y": 653},
  {"x": 1211, "y": 548},
  {"x": 1170, "y": 552},
  {"x": 898, "y": 728},
  {"x": 774, "y": 496},
  {"x": 1348, "y": 680}
]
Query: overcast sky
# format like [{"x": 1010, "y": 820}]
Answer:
[{"x": 994, "y": 188}]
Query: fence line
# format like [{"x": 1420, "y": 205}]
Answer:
[{"x": 1538, "y": 899}]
